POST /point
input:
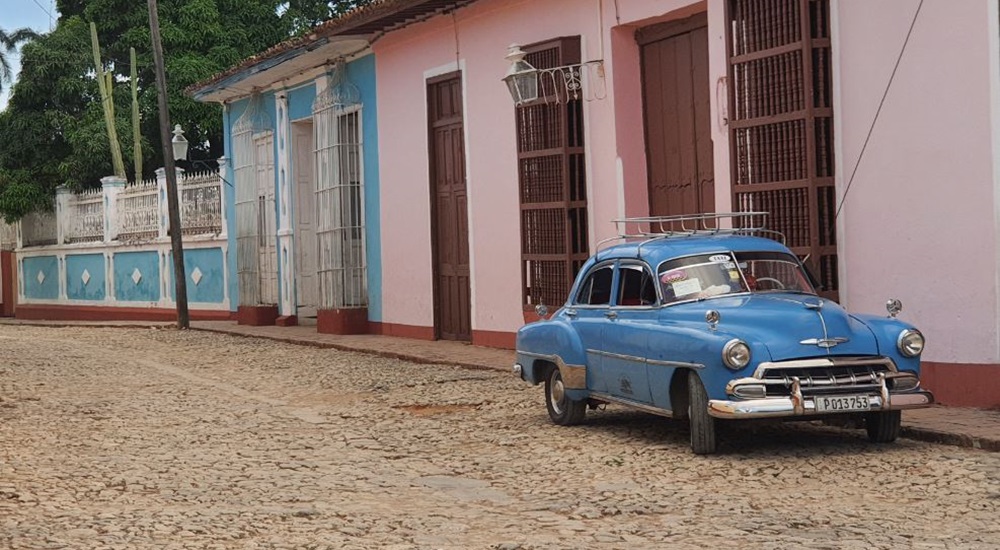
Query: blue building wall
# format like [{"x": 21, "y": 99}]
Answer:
[
  {"x": 92, "y": 287},
  {"x": 48, "y": 288},
  {"x": 361, "y": 72},
  {"x": 148, "y": 287},
  {"x": 210, "y": 287}
]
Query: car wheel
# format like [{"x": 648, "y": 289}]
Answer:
[
  {"x": 562, "y": 410},
  {"x": 883, "y": 427},
  {"x": 702, "y": 424}
]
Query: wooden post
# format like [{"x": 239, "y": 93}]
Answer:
[{"x": 173, "y": 208}]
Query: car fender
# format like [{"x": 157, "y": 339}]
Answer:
[
  {"x": 887, "y": 331},
  {"x": 552, "y": 341}
]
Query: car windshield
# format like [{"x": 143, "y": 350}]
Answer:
[{"x": 711, "y": 275}]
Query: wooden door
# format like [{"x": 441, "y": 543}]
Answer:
[
  {"x": 303, "y": 148},
  {"x": 449, "y": 215},
  {"x": 676, "y": 94}
]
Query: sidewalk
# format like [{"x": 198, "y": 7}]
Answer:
[{"x": 976, "y": 428}]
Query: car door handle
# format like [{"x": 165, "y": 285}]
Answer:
[
  {"x": 610, "y": 314},
  {"x": 571, "y": 313}
]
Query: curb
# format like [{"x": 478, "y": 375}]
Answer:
[
  {"x": 369, "y": 351},
  {"x": 949, "y": 438}
]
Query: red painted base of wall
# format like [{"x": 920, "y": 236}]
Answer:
[
  {"x": 99, "y": 313},
  {"x": 492, "y": 339},
  {"x": 342, "y": 321},
  {"x": 7, "y": 293},
  {"x": 402, "y": 331},
  {"x": 287, "y": 321},
  {"x": 257, "y": 316},
  {"x": 960, "y": 385}
]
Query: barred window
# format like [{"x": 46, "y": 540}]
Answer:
[
  {"x": 340, "y": 232},
  {"x": 552, "y": 181}
]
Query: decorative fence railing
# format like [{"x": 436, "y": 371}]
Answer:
[
  {"x": 139, "y": 211},
  {"x": 201, "y": 203},
  {"x": 129, "y": 212},
  {"x": 86, "y": 217}
]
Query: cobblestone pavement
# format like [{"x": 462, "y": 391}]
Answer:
[{"x": 144, "y": 438}]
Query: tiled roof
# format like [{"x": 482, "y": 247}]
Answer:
[{"x": 370, "y": 21}]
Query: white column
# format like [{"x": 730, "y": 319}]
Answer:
[
  {"x": 112, "y": 186},
  {"x": 63, "y": 195},
  {"x": 223, "y": 163},
  {"x": 161, "y": 184},
  {"x": 286, "y": 252}
]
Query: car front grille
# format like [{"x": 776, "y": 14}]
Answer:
[{"x": 825, "y": 377}]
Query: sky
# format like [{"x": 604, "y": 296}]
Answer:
[{"x": 16, "y": 14}]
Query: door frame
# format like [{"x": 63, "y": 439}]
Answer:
[{"x": 432, "y": 194}]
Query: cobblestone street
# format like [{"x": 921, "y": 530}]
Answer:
[{"x": 144, "y": 438}]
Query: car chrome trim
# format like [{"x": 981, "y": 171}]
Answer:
[
  {"x": 574, "y": 376},
  {"x": 785, "y": 406},
  {"x": 654, "y": 362},
  {"x": 824, "y": 362},
  {"x": 634, "y": 404}
]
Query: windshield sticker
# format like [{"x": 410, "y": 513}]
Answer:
[
  {"x": 673, "y": 276},
  {"x": 684, "y": 288},
  {"x": 729, "y": 265},
  {"x": 719, "y": 258},
  {"x": 734, "y": 275}
]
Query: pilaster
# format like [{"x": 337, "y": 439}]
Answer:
[
  {"x": 112, "y": 186},
  {"x": 286, "y": 249}
]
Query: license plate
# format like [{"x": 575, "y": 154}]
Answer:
[{"x": 842, "y": 403}]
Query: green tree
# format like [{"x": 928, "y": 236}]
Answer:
[{"x": 9, "y": 42}]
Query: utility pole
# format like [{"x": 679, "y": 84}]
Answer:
[{"x": 173, "y": 209}]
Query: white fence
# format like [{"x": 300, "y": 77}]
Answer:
[{"x": 128, "y": 212}]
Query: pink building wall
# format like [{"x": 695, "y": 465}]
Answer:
[
  {"x": 475, "y": 39},
  {"x": 920, "y": 220}
]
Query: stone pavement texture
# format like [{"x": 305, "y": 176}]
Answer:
[
  {"x": 966, "y": 427},
  {"x": 163, "y": 439}
]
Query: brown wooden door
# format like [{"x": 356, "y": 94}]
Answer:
[
  {"x": 449, "y": 217},
  {"x": 676, "y": 95}
]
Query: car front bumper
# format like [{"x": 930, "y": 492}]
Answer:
[{"x": 793, "y": 406}]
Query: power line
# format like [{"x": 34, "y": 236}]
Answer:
[
  {"x": 47, "y": 12},
  {"x": 879, "y": 110}
]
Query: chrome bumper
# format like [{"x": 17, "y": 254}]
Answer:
[{"x": 773, "y": 407}]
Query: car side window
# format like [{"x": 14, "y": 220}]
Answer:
[
  {"x": 596, "y": 289},
  {"x": 636, "y": 287}
]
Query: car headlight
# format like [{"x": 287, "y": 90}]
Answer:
[
  {"x": 736, "y": 354},
  {"x": 910, "y": 342}
]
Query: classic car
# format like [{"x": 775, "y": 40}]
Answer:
[{"x": 717, "y": 325}]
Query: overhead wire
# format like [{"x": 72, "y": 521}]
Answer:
[{"x": 878, "y": 111}]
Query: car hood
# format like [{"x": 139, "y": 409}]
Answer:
[{"x": 788, "y": 325}]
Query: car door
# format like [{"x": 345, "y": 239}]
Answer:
[
  {"x": 588, "y": 314},
  {"x": 626, "y": 333}
]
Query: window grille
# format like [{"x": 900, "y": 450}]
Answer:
[
  {"x": 552, "y": 182},
  {"x": 781, "y": 127},
  {"x": 340, "y": 228},
  {"x": 256, "y": 232}
]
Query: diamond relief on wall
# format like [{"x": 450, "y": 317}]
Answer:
[
  {"x": 196, "y": 276},
  {"x": 85, "y": 277},
  {"x": 136, "y": 276},
  {"x": 40, "y": 277}
]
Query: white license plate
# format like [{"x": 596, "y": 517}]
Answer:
[{"x": 842, "y": 403}]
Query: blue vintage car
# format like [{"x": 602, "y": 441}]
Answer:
[{"x": 715, "y": 324}]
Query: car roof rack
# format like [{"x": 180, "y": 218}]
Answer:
[{"x": 691, "y": 225}]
